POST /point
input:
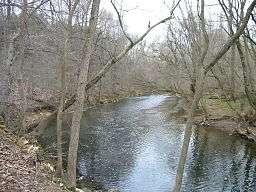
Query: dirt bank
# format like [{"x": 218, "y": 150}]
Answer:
[
  {"x": 215, "y": 115},
  {"x": 19, "y": 168}
]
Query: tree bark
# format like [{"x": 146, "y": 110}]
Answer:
[
  {"x": 11, "y": 112},
  {"x": 63, "y": 64},
  {"x": 78, "y": 111},
  {"x": 23, "y": 46}
]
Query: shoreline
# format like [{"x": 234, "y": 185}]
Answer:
[
  {"x": 217, "y": 118},
  {"x": 230, "y": 126},
  {"x": 37, "y": 120}
]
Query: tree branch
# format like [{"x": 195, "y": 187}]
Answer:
[
  {"x": 232, "y": 39},
  {"x": 113, "y": 61},
  {"x": 121, "y": 23}
]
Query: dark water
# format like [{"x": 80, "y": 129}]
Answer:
[{"x": 133, "y": 145}]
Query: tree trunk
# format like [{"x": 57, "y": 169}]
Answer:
[
  {"x": 62, "y": 75},
  {"x": 233, "y": 52},
  {"x": 59, "y": 170},
  {"x": 250, "y": 93},
  {"x": 11, "y": 113},
  {"x": 199, "y": 91},
  {"x": 197, "y": 96},
  {"x": 188, "y": 132},
  {"x": 22, "y": 82},
  {"x": 63, "y": 63},
  {"x": 78, "y": 111}
]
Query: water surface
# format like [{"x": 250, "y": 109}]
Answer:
[{"x": 134, "y": 145}]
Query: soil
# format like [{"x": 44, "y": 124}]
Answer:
[
  {"x": 218, "y": 117},
  {"x": 20, "y": 170}
]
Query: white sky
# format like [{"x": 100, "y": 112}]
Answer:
[
  {"x": 140, "y": 12},
  {"x": 143, "y": 11}
]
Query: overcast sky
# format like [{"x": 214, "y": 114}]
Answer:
[{"x": 142, "y": 11}]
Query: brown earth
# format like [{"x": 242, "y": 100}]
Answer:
[
  {"x": 19, "y": 169},
  {"x": 213, "y": 115},
  {"x": 225, "y": 119}
]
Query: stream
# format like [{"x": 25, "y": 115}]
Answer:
[{"x": 134, "y": 145}]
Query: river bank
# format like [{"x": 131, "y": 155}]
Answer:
[
  {"x": 20, "y": 170},
  {"x": 225, "y": 117},
  {"x": 36, "y": 120},
  {"x": 216, "y": 114},
  {"x": 23, "y": 168}
]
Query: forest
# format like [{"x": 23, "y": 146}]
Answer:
[{"x": 87, "y": 104}]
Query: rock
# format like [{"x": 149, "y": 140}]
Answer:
[
  {"x": 84, "y": 190},
  {"x": 113, "y": 190},
  {"x": 252, "y": 132}
]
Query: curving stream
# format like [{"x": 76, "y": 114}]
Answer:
[{"x": 133, "y": 145}]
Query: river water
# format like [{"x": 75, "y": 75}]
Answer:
[{"x": 134, "y": 145}]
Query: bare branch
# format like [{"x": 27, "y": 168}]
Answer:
[
  {"x": 113, "y": 61},
  {"x": 121, "y": 23},
  {"x": 232, "y": 39},
  {"x": 158, "y": 23}
]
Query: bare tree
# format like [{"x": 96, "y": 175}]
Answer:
[
  {"x": 197, "y": 95},
  {"x": 199, "y": 91},
  {"x": 64, "y": 60},
  {"x": 78, "y": 111},
  {"x": 243, "y": 54}
]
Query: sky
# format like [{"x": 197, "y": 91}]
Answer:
[{"x": 140, "y": 12}]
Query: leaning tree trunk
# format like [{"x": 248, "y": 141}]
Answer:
[
  {"x": 196, "y": 99},
  {"x": 78, "y": 110},
  {"x": 188, "y": 132},
  {"x": 198, "y": 94}
]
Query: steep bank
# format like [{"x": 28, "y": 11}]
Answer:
[
  {"x": 20, "y": 169},
  {"x": 226, "y": 116},
  {"x": 23, "y": 170}
]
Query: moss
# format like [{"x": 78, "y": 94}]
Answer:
[{"x": 225, "y": 103}]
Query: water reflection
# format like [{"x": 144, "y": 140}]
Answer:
[
  {"x": 134, "y": 146},
  {"x": 220, "y": 163}
]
